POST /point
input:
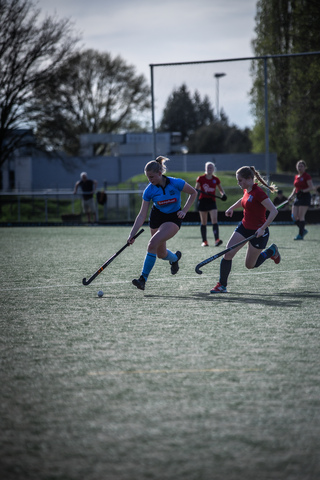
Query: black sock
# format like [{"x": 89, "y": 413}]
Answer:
[
  {"x": 203, "y": 229},
  {"x": 215, "y": 228},
  {"x": 225, "y": 268},
  {"x": 263, "y": 257},
  {"x": 301, "y": 227}
]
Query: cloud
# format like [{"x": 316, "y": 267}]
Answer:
[{"x": 147, "y": 32}]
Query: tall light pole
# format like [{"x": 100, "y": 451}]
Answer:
[
  {"x": 184, "y": 151},
  {"x": 217, "y": 76}
]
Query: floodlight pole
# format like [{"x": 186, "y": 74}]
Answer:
[
  {"x": 217, "y": 76},
  {"x": 184, "y": 151},
  {"x": 152, "y": 113},
  {"x": 266, "y": 119}
]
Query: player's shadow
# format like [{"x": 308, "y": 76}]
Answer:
[{"x": 281, "y": 299}]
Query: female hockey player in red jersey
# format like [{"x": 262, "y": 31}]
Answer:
[
  {"x": 206, "y": 185},
  {"x": 255, "y": 203}
]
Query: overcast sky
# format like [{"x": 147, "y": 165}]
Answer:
[{"x": 145, "y": 32}]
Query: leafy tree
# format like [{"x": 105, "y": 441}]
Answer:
[
  {"x": 185, "y": 114},
  {"x": 203, "y": 133},
  {"x": 30, "y": 53},
  {"x": 90, "y": 93},
  {"x": 219, "y": 137},
  {"x": 203, "y": 110},
  {"x": 288, "y": 27}
]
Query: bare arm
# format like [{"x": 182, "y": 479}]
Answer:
[
  {"x": 76, "y": 187},
  {"x": 192, "y": 196},
  {"x": 292, "y": 194},
  {"x": 221, "y": 190},
  {"x": 139, "y": 221},
  {"x": 267, "y": 203},
  {"x": 229, "y": 212},
  {"x": 310, "y": 187}
]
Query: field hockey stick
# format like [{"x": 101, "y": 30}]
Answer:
[
  {"x": 210, "y": 259},
  {"x": 86, "y": 282},
  {"x": 282, "y": 204},
  {"x": 210, "y": 194}
]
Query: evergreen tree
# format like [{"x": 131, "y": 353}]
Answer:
[
  {"x": 203, "y": 133},
  {"x": 179, "y": 114}
]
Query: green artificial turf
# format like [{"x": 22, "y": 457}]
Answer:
[{"x": 170, "y": 383}]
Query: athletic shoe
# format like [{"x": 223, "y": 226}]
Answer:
[
  {"x": 139, "y": 282},
  {"x": 175, "y": 265},
  {"x": 219, "y": 289},
  {"x": 305, "y": 231},
  {"x": 205, "y": 244},
  {"x": 298, "y": 237},
  {"x": 218, "y": 242},
  {"x": 276, "y": 257}
]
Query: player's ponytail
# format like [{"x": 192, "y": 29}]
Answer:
[
  {"x": 157, "y": 165},
  {"x": 251, "y": 172},
  {"x": 257, "y": 175}
]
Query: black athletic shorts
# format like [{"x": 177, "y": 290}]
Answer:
[
  {"x": 157, "y": 218},
  {"x": 260, "y": 242},
  {"x": 304, "y": 200},
  {"x": 207, "y": 204}
]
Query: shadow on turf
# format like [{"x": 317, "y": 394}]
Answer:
[{"x": 284, "y": 299}]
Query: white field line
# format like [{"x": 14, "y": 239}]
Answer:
[
  {"x": 173, "y": 371},
  {"x": 105, "y": 282}
]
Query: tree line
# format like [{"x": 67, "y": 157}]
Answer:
[
  {"x": 50, "y": 87},
  {"x": 288, "y": 27}
]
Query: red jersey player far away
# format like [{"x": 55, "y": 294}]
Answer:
[
  {"x": 302, "y": 187},
  {"x": 255, "y": 203},
  {"x": 206, "y": 185}
]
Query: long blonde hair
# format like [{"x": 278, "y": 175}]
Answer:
[
  {"x": 157, "y": 165},
  {"x": 207, "y": 165},
  {"x": 251, "y": 172}
]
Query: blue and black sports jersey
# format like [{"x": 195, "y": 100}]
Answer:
[{"x": 167, "y": 199}]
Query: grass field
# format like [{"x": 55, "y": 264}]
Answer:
[{"x": 170, "y": 383}]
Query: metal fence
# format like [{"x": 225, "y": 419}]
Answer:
[
  {"x": 58, "y": 206},
  {"x": 122, "y": 206}
]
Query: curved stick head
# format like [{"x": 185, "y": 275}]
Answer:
[
  {"x": 198, "y": 271},
  {"x": 84, "y": 281}
]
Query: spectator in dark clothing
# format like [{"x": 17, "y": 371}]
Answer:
[
  {"x": 280, "y": 198},
  {"x": 88, "y": 188}
]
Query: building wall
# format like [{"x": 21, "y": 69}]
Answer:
[{"x": 38, "y": 172}]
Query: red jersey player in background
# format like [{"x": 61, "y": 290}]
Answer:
[
  {"x": 302, "y": 188},
  {"x": 255, "y": 203},
  {"x": 206, "y": 184}
]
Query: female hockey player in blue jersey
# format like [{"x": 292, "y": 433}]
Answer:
[{"x": 165, "y": 218}]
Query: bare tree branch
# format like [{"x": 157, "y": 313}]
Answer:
[{"x": 30, "y": 53}]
